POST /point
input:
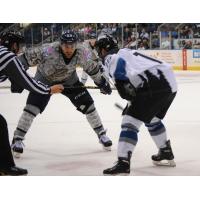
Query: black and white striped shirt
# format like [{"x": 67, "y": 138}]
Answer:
[{"x": 11, "y": 67}]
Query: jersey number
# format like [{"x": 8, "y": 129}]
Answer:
[{"x": 144, "y": 56}]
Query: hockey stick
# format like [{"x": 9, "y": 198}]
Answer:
[
  {"x": 119, "y": 106},
  {"x": 113, "y": 88},
  {"x": 67, "y": 87},
  {"x": 87, "y": 87},
  {"x": 143, "y": 93}
]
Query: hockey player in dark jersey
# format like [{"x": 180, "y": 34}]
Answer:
[
  {"x": 149, "y": 85},
  {"x": 56, "y": 63},
  {"x": 11, "y": 68}
]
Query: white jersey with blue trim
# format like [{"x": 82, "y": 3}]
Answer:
[{"x": 131, "y": 64}]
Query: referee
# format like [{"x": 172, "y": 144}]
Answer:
[{"x": 11, "y": 68}]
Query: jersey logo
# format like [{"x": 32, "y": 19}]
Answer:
[
  {"x": 48, "y": 51},
  {"x": 87, "y": 55}
]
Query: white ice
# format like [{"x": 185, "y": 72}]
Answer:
[{"x": 61, "y": 142}]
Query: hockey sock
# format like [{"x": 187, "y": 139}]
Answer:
[
  {"x": 128, "y": 136},
  {"x": 95, "y": 122},
  {"x": 25, "y": 121},
  {"x": 158, "y": 133}
]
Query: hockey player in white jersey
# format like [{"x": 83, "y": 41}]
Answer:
[{"x": 149, "y": 85}]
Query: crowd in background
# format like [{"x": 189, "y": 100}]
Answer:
[{"x": 135, "y": 36}]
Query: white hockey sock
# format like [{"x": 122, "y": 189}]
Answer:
[
  {"x": 158, "y": 133},
  {"x": 95, "y": 121},
  {"x": 128, "y": 136}
]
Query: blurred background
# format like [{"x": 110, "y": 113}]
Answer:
[{"x": 131, "y": 35}]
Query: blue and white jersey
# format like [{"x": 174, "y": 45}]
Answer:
[{"x": 131, "y": 65}]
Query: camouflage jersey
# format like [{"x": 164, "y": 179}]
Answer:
[
  {"x": 94, "y": 55},
  {"x": 52, "y": 66}
]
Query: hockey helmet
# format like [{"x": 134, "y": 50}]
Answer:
[
  {"x": 106, "y": 42},
  {"x": 7, "y": 39},
  {"x": 68, "y": 36}
]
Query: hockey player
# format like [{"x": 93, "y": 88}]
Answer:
[
  {"x": 11, "y": 68},
  {"x": 57, "y": 64},
  {"x": 149, "y": 85},
  {"x": 89, "y": 44}
]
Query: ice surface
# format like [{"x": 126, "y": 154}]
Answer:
[{"x": 61, "y": 142}]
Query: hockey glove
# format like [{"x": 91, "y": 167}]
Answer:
[
  {"x": 125, "y": 89},
  {"x": 104, "y": 86}
]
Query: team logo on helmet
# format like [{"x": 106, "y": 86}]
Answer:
[{"x": 69, "y": 36}]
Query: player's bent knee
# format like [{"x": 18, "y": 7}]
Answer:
[
  {"x": 33, "y": 110},
  {"x": 129, "y": 122},
  {"x": 86, "y": 109}
]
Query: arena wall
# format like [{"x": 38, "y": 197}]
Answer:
[{"x": 180, "y": 59}]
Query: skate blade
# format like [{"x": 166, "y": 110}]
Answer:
[
  {"x": 5, "y": 174},
  {"x": 120, "y": 174},
  {"x": 16, "y": 154},
  {"x": 165, "y": 163},
  {"x": 107, "y": 148}
]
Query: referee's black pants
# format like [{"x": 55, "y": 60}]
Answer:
[{"x": 6, "y": 158}]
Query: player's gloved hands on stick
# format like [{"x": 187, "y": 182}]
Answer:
[
  {"x": 104, "y": 86},
  {"x": 56, "y": 89}
]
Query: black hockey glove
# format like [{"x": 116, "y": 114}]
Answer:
[
  {"x": 104, "y": 86},
  {"x": 125, "y": 89}
]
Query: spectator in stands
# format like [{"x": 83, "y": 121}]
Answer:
[
  {"x": 127, "y": 34},
  {"x": 131, "y": 43},
  {"x": 188, "y": 45},
  {"x": 155, "y": 40},
  {"x": 145, "y": 43},
  {"x": 46, "y": 33},
  {"x": 165, "y": 44},
  {"x": 144, "y": 34},
  {"x": 141, "y": 46}
]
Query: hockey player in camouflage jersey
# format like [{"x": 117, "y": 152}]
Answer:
[
  {"x": 89, "y": 44},
  {"x": 56, "y": 63}
]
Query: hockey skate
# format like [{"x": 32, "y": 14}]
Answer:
[
  {"x": 122, "y": 167},
  {"x": 105, "y": 141},
  {"x": 13, "y": 171},
  {"x": 164, "y": 157},
  {"x": 17, "y": 147}
]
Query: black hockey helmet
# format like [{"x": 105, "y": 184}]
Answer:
[
  {"x": 106, "y": 42},
  {"x": 7, "y": 39},
  {"x": 68, "y": 36}
]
